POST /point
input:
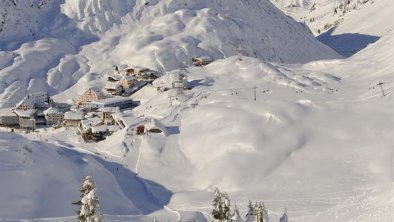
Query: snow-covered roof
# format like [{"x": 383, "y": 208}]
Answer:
[
  {"x": 25, "y": 113},
  {"x": 128, "y": 78},
  {"x": 156, "y": 124},
  {"x": 72, "y": 115},
  {"x": 52, "y": 110},
  {"x": 109, "y": 109},
  {"x": 95, "y": 90},
  {"x": 127, "y": 119},
  {"x": 88, "y": 123},
  {"x": 34, "y": 99},
  {"x": 204, "y": 58},
  {"x": 105, "y": 128},
  {"x": 114, "y": 76},
  {"x": 7, "y": 112},
  {"x": 108, "y": 101},
  {"x": 112, "y": 85},
  {"x": 139, "y": 68}
]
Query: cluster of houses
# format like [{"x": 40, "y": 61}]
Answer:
[
  {"x": 94, "y": 114},
  {"x": 28, "y": 113},
  {"x": 125, "y": 81}
]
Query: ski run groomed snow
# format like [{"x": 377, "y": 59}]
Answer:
[{"x": 277, "y": 116}]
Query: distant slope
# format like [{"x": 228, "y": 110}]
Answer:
[
  {"x": 361, "y": 28},
  {"x": 321, "y": 15},
  {"x": 347, "y": 26},
  {"x": 85, "y": 39}
]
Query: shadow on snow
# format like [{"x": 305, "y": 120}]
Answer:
[{"x": 346, "y": 44}]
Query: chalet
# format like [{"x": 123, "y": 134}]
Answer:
[
  {"x": 121, "y": 102},
  {"x": 202, "y": 60},
  {"x": 114, "y": 88},
  {"x": 26, "y": 118},
  {"x": 8, "y": 117},
  {"x": 34, "y": 101},
  {"x": 127, "y": 82},
  {"x": 53, "y": 116},
  {"x": 73, "y": 119},
  {"x": 88, "y": 96}
]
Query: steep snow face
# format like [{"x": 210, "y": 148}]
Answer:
[{"x": 93, "y": 36}]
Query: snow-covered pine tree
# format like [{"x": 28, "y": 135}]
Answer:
[
  {"x": 284, "y": 217},
  {"x": 226, "y": 207},
  {"x": 236, "y": 217},
  {"x": 89, "y": 210},
  {"x": 250, "y": 214},
  {"x": 265, "y": 213},
  {"x": 217, "y": 203},
  {"x": 258, "y": 213}
]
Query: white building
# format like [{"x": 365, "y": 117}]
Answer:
[
  {"x": 8, "y": 117},
  {"x": 73, "y": 119},
  {"x": 53, "y": 116},
  {"x": 26, "y": 118},
  {"x": 88, "y": 96}
]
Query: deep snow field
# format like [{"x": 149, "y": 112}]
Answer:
[{"x": 314, "y": 137}]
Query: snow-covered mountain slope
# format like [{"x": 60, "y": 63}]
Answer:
[
  {"x": 314, "y": 140},
  {"x": 39, "y": 179},
  {"x": 85, "y": 39},
  {"x": 324, "y": 154},
  {"x": 321, "y": 15},
  {"x": 360, "y": 28},
  {"x": 346, "y": 26}
]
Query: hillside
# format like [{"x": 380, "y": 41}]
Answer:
[
  {"x": 345, "y": 26},
  {"x": 81, "y": 42},
  {"x": 42, "y": 180}
]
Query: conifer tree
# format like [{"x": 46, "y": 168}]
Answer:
[
  {"x": 226, "y": 207},
  {"x": 89, "y": 210},
  {"x": 258, "y": 213},
  {"x": 250, "y": 214},
  {"x": 217, "y": 203},
  {"x": 265, "y": 213},
  {"x": 235, "y": 216}
]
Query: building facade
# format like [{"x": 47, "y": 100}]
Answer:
[{"x": 89, "y": 95}]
